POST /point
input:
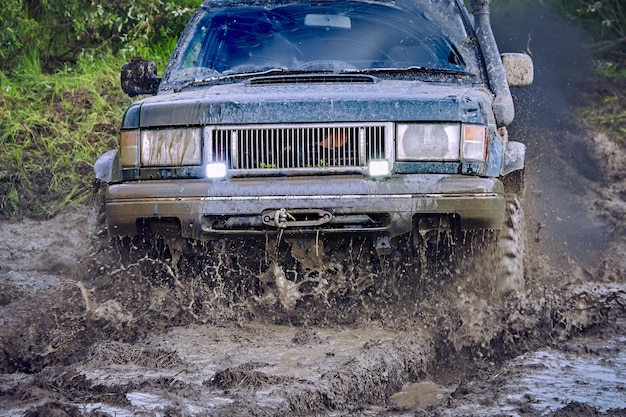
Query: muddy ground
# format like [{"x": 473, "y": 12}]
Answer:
[{"x": 84, "y": 332}]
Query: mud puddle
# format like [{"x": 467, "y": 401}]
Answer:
[
  {"x": 583, "y": 371},
  {"x": 175, "y": 345},
  {"x": 550, "y": 379},
  {"x": 262, "y": 369}
]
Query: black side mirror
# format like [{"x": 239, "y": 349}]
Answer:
[{"x": 139, "y": 77}]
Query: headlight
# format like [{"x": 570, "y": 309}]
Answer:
[
  {"x": 171, "y": 147},
  {"x": 474, "y": 142},
  {"x": 429, "y": 142},
  {"x": 441, "y": 142}
]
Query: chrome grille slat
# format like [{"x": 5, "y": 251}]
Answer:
[{"x": 298, "y": 147}]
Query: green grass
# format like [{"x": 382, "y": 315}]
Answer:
[
  {"x": 52, "y": 128},
  {"x": 604, "y": 107}
]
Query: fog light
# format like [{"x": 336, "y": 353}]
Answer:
[
  {"x": 378, "y": 168},
  {"x": 216, "y": 170}
]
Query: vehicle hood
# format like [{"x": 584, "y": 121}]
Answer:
[{"x": 246, "y": 103}]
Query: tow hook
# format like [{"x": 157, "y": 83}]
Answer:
[{"x": 283, "y": 218}]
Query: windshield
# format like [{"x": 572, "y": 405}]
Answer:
[{"x": 338, "y": 36}]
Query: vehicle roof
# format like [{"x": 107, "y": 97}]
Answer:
[{"x": 230, "y": 3}]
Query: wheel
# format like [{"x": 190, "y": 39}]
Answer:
[
  {"x": 510, "y": 246},
  {"x": 496, "y": 257},
  {"x": 510, "y": 249}
]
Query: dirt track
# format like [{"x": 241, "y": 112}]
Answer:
[{"x": 82, "y": 335}]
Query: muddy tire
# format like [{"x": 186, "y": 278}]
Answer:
[
  {"x": 510, "y": 244},
  {"x": 510, "y": 249}
]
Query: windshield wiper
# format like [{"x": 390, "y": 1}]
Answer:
[
  {"x": 251, "y": 74},
  {"x": 405, "y": 70},
  {"x": 209, "y": 80}
]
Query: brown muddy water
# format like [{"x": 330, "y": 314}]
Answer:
[{"x": 84, "y": 334}]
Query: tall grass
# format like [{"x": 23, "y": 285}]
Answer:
[
  {"x": 605, "y": 105},
  {"x": 52, "y": 128}
]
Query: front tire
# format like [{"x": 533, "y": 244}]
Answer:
[{"x": 510, "y": 248}]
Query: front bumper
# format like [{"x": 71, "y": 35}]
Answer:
[{"x": 201, "y": 209}]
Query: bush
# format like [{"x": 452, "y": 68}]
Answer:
[
  {"x": 58, "y": 31},
  {"x": 18, "y": 32},
  {"x": 52, "y": 128},
  {"x": 604, "y": 21}
]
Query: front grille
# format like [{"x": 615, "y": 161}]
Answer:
[{"x": 295, "y": 147}]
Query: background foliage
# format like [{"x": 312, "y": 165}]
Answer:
[
  {"x": 603, "y": 20},
  {"x": 61, "y": 105},
  {"x": 59, "y": 31},
  {"x": 60, "y": 100}
]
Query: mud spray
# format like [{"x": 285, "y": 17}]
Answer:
[{"x": 281, "y": 326}]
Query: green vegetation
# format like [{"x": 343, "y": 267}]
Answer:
[
  {"x": 52, "y": 128},
  {"x": 607, "y": 92},
  {"x": 263, "y": 165},
  {"x": 58, "y": 32},
  {"x": 60, "y": 99},
  {"x": 603, "y": 20},
  {"x": 61, "y": 104}
]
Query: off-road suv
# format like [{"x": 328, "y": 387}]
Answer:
[{"x": 382, "y": 118}]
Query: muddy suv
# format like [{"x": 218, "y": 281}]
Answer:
[{"x": 322, "y": 118}]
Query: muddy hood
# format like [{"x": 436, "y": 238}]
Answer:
[{"x": 244, "y": 103}]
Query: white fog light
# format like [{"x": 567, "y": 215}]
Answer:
[
  {"x": 378, "y": 168},
  {"x": 216, "y": 170}
]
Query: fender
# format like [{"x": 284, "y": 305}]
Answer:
[
  {"x": 107, "y": 168},
  {"x": 514, "y": 154}
]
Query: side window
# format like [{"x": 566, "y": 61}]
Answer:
[{"x": 192, "y": 53}]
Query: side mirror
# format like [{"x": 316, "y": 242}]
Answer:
[
  {"x": 518, "y": 69},
  {"x": 139, "y": 77}
]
